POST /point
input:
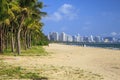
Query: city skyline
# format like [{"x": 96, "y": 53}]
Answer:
[
  {"x": 97, "y": 17},
  {"x": 113, "y": 34},
  {"x": 64, "y": 37}
]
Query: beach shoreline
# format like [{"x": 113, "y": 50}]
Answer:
[
  {"x": 99, "y": 60},
  {"x": 67, "y": 62}
]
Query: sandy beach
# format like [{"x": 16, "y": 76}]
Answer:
[{"x": 73, "y": 63}]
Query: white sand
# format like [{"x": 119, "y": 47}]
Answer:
[{"x": 105, "y": 62}]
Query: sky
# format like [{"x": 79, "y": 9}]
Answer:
[{"x": 86, "y": 17}]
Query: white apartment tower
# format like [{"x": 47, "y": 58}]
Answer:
[
  {"x": 55, "y": 36},
  {"x": 78, "y": 38},
  {"x": 91, "y": 39},
  {"x": 63, "y": 37},
  {"x": 69, "y": 38}
]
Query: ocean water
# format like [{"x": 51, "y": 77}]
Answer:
[{"x": 115, "y": 46}]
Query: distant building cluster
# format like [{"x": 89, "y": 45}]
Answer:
[{"x": 63, "y": 37}]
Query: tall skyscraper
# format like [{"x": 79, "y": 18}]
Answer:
[
  {"x": 74, "y": 38},
  {"x": 91, "y": 39},
  {"x": 78, "y": 38},
  {"x": 69, "y": 38},
  {"x": 50, "y": 37},
  {"x": 53, "y": 36},
  {"x": 63, "y": 37},
  {"x": 97, "y": 39}
]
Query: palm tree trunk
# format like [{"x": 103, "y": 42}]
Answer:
[
  {"x": 18, "y": 42},
  {"x": 12, "y": 43},
  {"x": 1, "y": 43},
  {"x": 12, "y": 38},
  {"x": 30, "y": 40},
  {"x": 6, "y": 38},
  {"x": 25, "y": 40},
  {"x": 18, "y": 36}
]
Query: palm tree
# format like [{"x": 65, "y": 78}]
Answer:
[
  {"x": 20, "y": 18},
  {"x": 10, "y": 18},
  {"x": 29, "y": 9},
  {"x": 3, "y": 17},
  {"x": 25, "y": 5}
]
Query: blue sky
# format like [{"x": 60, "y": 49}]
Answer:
[{"x": 86, "y": 17}]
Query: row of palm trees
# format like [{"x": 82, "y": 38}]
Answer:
[{"x": 20, "y": 24}]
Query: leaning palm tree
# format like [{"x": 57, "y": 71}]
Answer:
[
  {"x": 29, "y": 8},
  {"x": 4, "y": 15},
  {"x": 35, "y": 26},
  {"x": 25, "y": 6},
  {"x": 15, "y": 9}
]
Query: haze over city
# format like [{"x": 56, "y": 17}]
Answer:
[{"x": 86, "y": 17}]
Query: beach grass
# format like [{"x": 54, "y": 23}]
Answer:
[
  {"x": 47, "y": 72},
  {"x": 33, "y": 51},
  {"x": 15, "y": 72}
]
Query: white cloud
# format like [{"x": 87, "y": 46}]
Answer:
[
  {"x": 66, "y": 11},
  {"x": 66, "y": 8},
  {"x": 113, "y": 33},
  {"x": 55, "y": 17}
]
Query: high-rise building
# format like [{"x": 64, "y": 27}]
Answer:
[
  {"x": 81, "y": 39},
  {"x": 91, "y": 39},
  {"x": 63, "y": 37},
  {"x": 86, "y": 39},
  {"x": 108, "y": 39},
  {"x": 50, "y": 37},
  {"x": 69, "y": 38},
  {"x": 53, "y": 36},
  {"x": 74, "y": 38},
  {"x": 78, "y": 38},
  {"x": 97, "y": 39}
]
